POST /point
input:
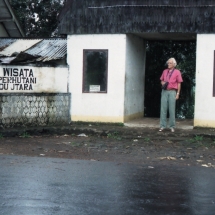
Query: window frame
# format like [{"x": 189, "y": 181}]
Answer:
[
  {"x": 214, "y": 77},
  {"x": 85, "y": 66}
]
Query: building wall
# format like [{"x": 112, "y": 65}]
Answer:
[
  {"x": 3, "y": 33},
  {"x": 97, "y": 107},
  {"x": 204, "y": 100},
  {"x": 134, "y": 77},
  {"x": 33, "y": 96},
  {"x": 34, "y": 109},
  {"x": 28, "y": 79}
]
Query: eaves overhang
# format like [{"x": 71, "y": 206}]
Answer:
[{"x": 9, "y": 20}]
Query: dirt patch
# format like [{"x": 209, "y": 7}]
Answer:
[{"x": 119, "y": 144}]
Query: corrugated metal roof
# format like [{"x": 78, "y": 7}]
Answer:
[
  {"x": 32, "y": 50},
  {"x": 5, "y": 43},
  {"x": 6, "y": 60},
  {"x": 49, "y": 49},
  {"x": 18, "y": 46}
]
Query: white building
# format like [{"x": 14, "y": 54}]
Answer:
[
  {"x": 106, "y": 55},
  {"x": 117, "y": 30},
  {"x": 125, "y": 65}
]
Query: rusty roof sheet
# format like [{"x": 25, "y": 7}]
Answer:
[
  {"x": 49, "y": 49},
  {"x": 32, "y": 50}
]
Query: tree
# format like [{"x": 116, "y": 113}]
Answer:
[
  {"x": 38, "y": 17},
  {"x": 158, "y": 52}
]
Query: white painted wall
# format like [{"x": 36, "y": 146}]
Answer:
[
  {"x": 125, "y": 93},
  {"x": 33, "y": 79},
  {"x": 3, "y": 33},
  {"x": 204, "y": 100},
  {"x": 100, "y": 107},
  {"x": 134, "y": 77}
]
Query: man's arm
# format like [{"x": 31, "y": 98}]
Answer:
[{"x": 178, "y": 91}]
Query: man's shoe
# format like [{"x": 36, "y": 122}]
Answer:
[
  {"x": 161, "y": 129},
  {"x": 172, "y": 129}
]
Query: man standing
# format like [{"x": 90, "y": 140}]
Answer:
[{"x": 170, "y": 94}]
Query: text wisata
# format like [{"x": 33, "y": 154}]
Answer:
[{"x": 17, "y": 79}]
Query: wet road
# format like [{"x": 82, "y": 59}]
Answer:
[{"x": 47, "y": 186}]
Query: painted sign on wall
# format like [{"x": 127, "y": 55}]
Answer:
[
  {"x": 33, "y": 79},
  {"x": 17, "y": 79}
]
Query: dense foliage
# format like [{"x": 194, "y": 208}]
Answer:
[
  {"x": 38, "y": 17},
  {"x": 158, "y": 52}
]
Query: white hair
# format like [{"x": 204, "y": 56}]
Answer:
[{"x": 172, "y": 59}]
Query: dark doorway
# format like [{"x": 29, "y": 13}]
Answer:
[{"x": 157, "y": 53}]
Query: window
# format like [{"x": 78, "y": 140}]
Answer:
[{"x": 95, "y": 71}]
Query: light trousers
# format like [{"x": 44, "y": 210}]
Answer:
[{"x": 168, "y": 102}]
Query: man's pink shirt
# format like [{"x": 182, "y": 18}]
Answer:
[{"x": 174, "y": 79}]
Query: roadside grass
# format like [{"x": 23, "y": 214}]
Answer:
[
  {"x": 115, "y": 135},
  {"x": 197, "y": 138},
  {"x": 1, "y": 136},
  {"x": 120, "y": 124},
  {"x": 147, "y": 139},
  {"x": 97, "y": 123},
  {"x": 25, "y": 135},
  {"x": 200, "y": 141},
  {"x": 74, "y": 144}
]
